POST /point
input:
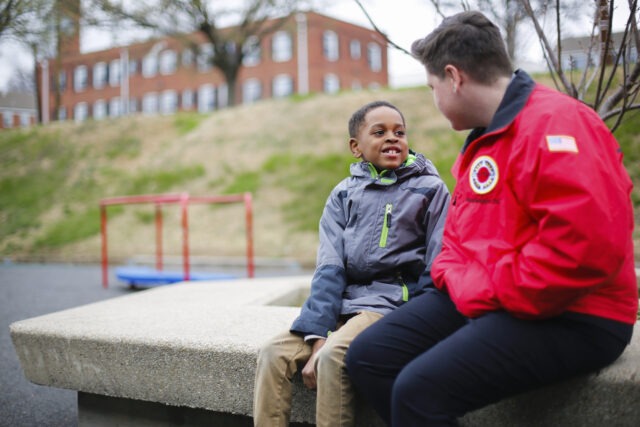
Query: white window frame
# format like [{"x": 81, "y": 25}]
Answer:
[
  {"x": 100, "y": 75},
  {"x": 281, "y": 47},
  {"x": 115, "y": 73},
  {"x": 206, "y": 98},
  {"x": 187, "y": 57},
  {"x": 7, "y": 119},
  {"x": 186, "y": 99},
  {"x": 80, "y": 112},
  {"x": 149, "y": 65},
  {"x": 252, "y": 52},
  {"x": 251, "y": 91},
  {"x": 282, "y": 86},
  {"x": 330, "y": 45},
  {"x": 168, "y": 102},
  {"x": 115, "y": 107},
  {"x": 168, "y": 62},
  {"x": 205, "y": 57},
  {"x": 150, "y": 103},
  {"x": 331, "y": 83},
  {"x": 100, "y": 109},
  {"x": 355, "y": 49},
  {"x": 80, "y": 78},
  {"x": 374, "y": 57}
]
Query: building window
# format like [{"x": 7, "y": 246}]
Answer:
[
  {"x": 251, "y": 91},
  {"x": 168, "y": 102},
  {"x": 115, "y": 107},
  {"x": 330, "y": 46},
  {"x": 187, "y": 57},
  {"x": 331, "y": 83},
  {"x": 80, "y": 112},
  {"x": 99, "y": 75},
  {"x": 252, "y": 52},
  {"x": 281, "y": 47},
  {"x": 7, "y": 119},
  {"x": 150, "y": 65},
  {"x": 62, "y": 81},
  {"x": 25, "y": 120},
  {"x": 133, "y": 67},
  {"x": 99, "y": 109},
  {"x": 187, "y": 99},
  {"x": 62, "y": 114},
  {"x": 223, "y": 95},
  {"x": 282, "y": 86},
  {"x": 374, "y": 57},
  {"x": 150, "y": 103},
  {"x": 206, "y": 98},
  {"x": 168, "y": 62},
  {"x": 133, "y": 105},
  {"x": 115, "y": 73},
  {"x": 205, "y": 57},
  {"x": 355, "y": 50},
  {"x": 80, "y": 78}
]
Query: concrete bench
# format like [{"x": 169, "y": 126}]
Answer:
[{"x": 185, "y": 355}]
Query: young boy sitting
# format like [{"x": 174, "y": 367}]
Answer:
[{"x": 380, "y": 230}]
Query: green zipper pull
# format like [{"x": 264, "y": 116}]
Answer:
[
  {"x": 385, "y": 225},
  {"x": 405, "y": 293}
]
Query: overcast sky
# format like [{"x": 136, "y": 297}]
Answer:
[{"x": 402, "y": 20}]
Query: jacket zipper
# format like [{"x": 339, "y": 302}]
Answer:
[{"x": 385, "y": 225}]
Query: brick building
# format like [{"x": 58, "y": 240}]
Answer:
[{"x": 311, "y": 52}]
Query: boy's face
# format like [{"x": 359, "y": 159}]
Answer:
[{"x": 381, "y": 139}]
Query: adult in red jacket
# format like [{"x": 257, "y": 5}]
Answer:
[{"x": 535, "y": 281}]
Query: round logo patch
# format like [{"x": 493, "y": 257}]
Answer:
[{"x": 484, "y": 175}]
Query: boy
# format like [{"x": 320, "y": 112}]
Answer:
[
  {"x": 379, "y": 232},
  {"x": 535, "y": 282}
]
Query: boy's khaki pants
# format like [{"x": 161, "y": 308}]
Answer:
[{"x": 282, "y": 356}]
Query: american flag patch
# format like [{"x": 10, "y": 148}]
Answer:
[{"x": 561, "y": 143}]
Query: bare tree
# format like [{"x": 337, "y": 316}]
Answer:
[
  {"x": 610, "y": 81},
  {"x": 253, "y": 20}
]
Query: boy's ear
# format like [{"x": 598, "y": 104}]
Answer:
[{"x": 355, "y": 149}]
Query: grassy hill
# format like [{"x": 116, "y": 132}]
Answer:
[{"x": 289, "y": 153}]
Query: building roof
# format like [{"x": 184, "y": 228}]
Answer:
[
  {"x": 17, "y": 101},
  {"x": 581, "y": 44}
]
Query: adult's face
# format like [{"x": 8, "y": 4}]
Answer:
[{"x": 447, "y": 99}]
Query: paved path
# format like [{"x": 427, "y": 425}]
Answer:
[{"x": 31, "y": 290}]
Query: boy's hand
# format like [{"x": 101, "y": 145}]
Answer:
[{"x": 309, "y": 371}]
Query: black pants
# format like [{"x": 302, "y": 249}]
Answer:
[{"x": 426, "y": 365}]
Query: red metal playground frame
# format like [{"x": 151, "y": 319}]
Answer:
[{"x": 183, "y": 199}]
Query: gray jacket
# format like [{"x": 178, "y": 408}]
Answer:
[{"x": 379, "y": 234}]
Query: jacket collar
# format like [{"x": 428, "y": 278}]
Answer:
[{"x": 415, "y": 164}]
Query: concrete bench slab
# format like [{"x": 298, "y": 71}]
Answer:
[{"x": 194, "y": 345}]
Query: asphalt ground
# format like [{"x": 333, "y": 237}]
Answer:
[{"x": 30, "y": 290}]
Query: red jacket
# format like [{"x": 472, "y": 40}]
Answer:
[{"x": 541, "y": 220}]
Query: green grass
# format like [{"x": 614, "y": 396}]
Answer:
[
  {"x": 72, "y": 228},
  {"x": 33, "y": 166},
  {"x": 187, "y": 122},
  {"x": 63, "y": 171}
]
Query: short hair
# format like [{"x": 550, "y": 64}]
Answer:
[
  {"x": 470, "y": 42},
  {"x": 357, "y": 118}
]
